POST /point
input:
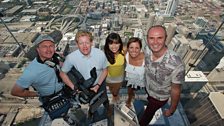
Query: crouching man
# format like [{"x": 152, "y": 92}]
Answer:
[{"x": 44, "y": 78}]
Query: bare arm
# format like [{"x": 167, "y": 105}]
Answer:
[
  {"x": 21, "y": 92},
  {"x": 175, "y": 97},
  {"x": 103, "y": 76},
  {"x": 66, "y": 80},
  {"x": 101, "y": 79}
]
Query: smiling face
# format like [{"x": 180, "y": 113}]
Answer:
[
  {"x": 134, "y": 49},
  {"x": 114, "y": 47},
  {"x": 156, "y": 39},
  {"x": 84, "y": 44},
  {"x": 46, "y": 50}
]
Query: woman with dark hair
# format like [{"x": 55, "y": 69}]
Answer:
[
  {"x": 114, "y": 52},
  {"x": 134, "y": 68}
]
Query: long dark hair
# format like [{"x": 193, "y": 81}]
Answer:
[{"x": 112, "y": 38}]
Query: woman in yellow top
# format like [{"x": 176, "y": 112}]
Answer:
[{"x": 114, "y": 52}]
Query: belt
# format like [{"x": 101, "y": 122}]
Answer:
[
  {"x": 44, "y": 98},
  {"x": 158, "y": 98}
]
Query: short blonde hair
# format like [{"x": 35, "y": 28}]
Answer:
[{"x": 83, "y": 33}]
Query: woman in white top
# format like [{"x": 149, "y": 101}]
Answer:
[{"x": 134, "y": 68}]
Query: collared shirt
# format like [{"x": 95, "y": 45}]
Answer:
[
  {"x": 41, "y": 77},
  {"x": 84, "y": 64}
]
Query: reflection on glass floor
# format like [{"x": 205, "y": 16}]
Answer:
[
  {"x": 79, "y": 117},
  {"x": 121, "y": 115},
  {"x": 120, "y": 118}
]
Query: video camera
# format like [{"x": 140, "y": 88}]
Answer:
[
  {"x": 86, "y": 95},
  {"x": 83, "y": 85}
]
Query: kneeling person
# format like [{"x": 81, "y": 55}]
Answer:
[{"x": 39, "y": 75}]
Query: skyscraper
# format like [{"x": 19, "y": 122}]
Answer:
[
  {"x": 170, "y": 32},
  {"x": 215, "y": 77},
  {"x": 171, "y": 7},
  {"x": 179, "y": 44},
  {"x": 150, "y": 21},
  {"x": 159, "y": 20},
  {"x": 215, "y": 51},
  {"x": 28, "y": 2},
  {"x": 194, "y": 54},
  {"x": 209, "y": 111},
  {"x": 201, "y": 22}
]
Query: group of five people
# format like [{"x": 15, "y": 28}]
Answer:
[{"x": 156, "y": 69}]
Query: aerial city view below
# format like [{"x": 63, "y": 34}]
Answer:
[{"x": 111, "y": 62}]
